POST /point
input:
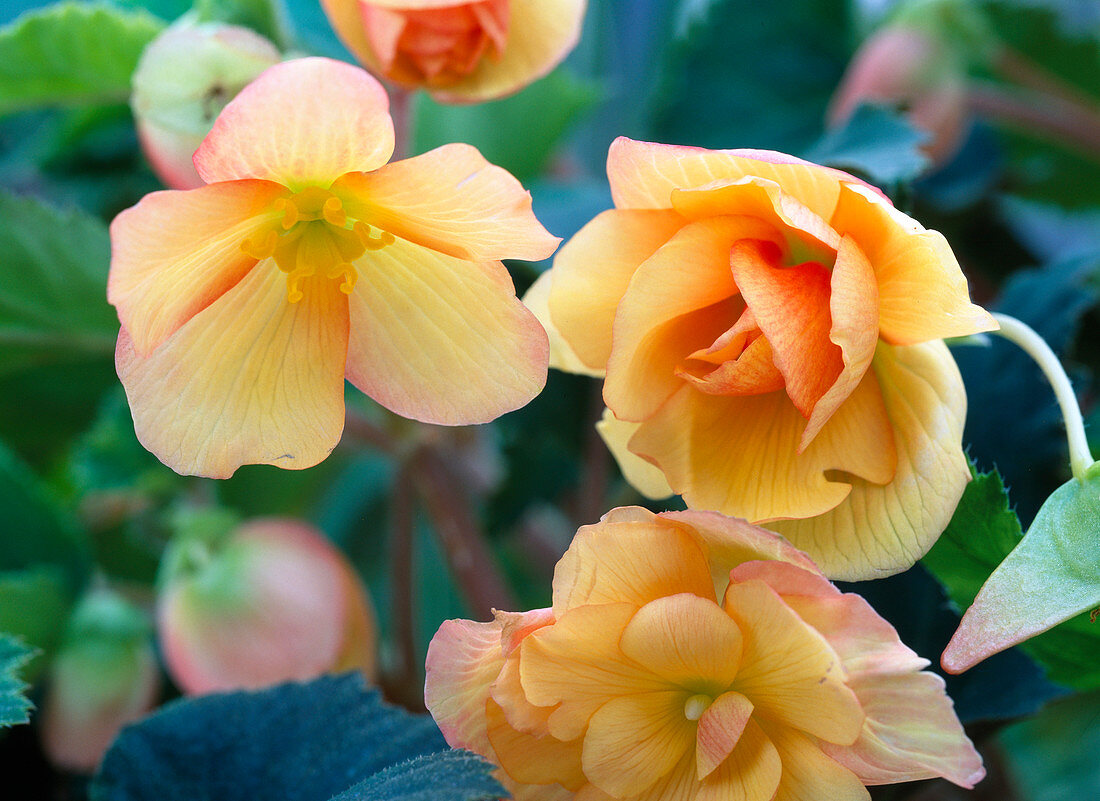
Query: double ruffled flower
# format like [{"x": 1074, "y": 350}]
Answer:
[
  {"x": 692, "y": 656},
  {"x": 770, "y": 333},
  {"x": 306, "y": 258}
]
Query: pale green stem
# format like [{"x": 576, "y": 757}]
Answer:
[{"x": 1080, "y": 459}]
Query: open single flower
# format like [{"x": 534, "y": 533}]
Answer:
[
  {"x": 461, "y": 52},
  {"x": 770, "y": 335},
  {"x": 692, "y": 656},
  {"x": 306, "y": 258}
]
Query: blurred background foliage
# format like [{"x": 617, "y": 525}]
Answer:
[{"x": 449, "y": 523}]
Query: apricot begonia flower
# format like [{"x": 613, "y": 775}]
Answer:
[
  {"x": 306, "y": 258},
  {"x": 461, "y": 52},
  {"x": 693, "y": 656},
  {"x": 770, "y": 335}
]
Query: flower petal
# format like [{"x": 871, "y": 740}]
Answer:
[
  {"x": 678, "y": 302},
  {"x": 576, "y": 663},
  {"x": 440, "y": 339},
  {"x": 631, "y": 562},
  {"x": 808, "y": 774},
  {"x": 687, "y": 641},
  {"x": 643, "y": 175},
  {"x": 451, "y": 200},
  {"x": 635, "y": 740},
  {"x": 880, "y": 530},
  {"x": 791, "y": 306},
  {"x": 592, "y": 270},
  {"x": 302, "y": 122},
  {"x": 645, "y": 477},
  {"x": 562, "y": 355},
  {"x": 788, "y": 670},
  {"x": 251, "y": 379},
  {"x": 175, "y": 253},
  {"x": 751, "y": 773},
  {"x": 533, "y": 760},
  {"x": 720, "y": 728},
  {"x": 923, "y": 293}
]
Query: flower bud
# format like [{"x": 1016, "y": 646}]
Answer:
[
  {"x": 271, "y": 600},
  {"x": 104, "y": 676},
  {"x": 915, "y": 71},
  {"x": 183, "y": 80}
]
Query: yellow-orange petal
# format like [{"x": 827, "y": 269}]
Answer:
[
  {"x": 592, "y": 271},
  {"x": 720, "y": 727},
  {"x": 631, "y": 562},
  {"x": 463, "y": 660},
  {"x": 634, "y": 740},
  {"x": 880, "y": 530},
  {"x": 791, "y": 306},
  {"x": 251, "y": 379},
  {"x": 440, "y": 339},
  {"x": 788, "y": 670},
  {"x": 679, "y": 301},
  {"x": 540, "y": 34},
  {"x": 302, "y": 122},
  {"x": 643, "y": 175},
  {"x": 923, "y": 293},
  {"x": 808, "y": 773},
  {"x": 853, "y": 307},
  {"x": 686, "y": 640},
  {"x": 528, "y": 759},
  {"x": 753, "y": 372},
  {"x": 576, "y": 663},
  {"x": 911, "y": 733},
  {"x": 450, "y": 200},
  {"x": 751, "y": 773},
  {"x": 644, "y": 476},
  {"x": 175, "y": 253},
  {"x": 507, "y": 692},
  {"x": 562, "y": 355}
]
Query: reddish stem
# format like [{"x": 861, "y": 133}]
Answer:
[
  {"x": 406, "y": 679},
  {"x": 1070, "y": 123},
  {"x": 401, "y": 110}
]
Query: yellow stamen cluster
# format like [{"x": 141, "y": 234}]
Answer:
[{"x": 314, "y": 238}]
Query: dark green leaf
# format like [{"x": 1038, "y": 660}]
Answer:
[
  {"x": 14, "y": 706},
  {"x": 71, "y": 54},
  {"x": 294, "y": 742},
  {"x": 982, "y": 533},
  {"x": 54, "y": 272},
  {"x": 35, "y": 605},
  {"x": 446, "y": 776},
  {"x": 876, "y": 143},
  {"x": 518, "y": 133}
]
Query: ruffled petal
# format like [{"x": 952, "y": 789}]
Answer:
[
  {"x": 923, "y": 293},
  {"x": 643, "y": 175},
  {"x": 808, "y": 774},
  {"x": 880, "y": 530},
  {"x": 175, "y": 253},
  {"x": 562, "y": 355},
  {"x": 788, "y": 670},
  {"x": 527, "y": 759},
  {"x": 251, "y": 379},
  {"x": 635, "y": 740},
  {"x": 442, "y": 340},
  {"x": 592, "y": 271},
  {"x": 751, "y": 773},
  {"x": 720, "y": 728},
  {"x": 631, "y": 562},
  {"x": 644, "y": 476},
  {"x": 679, "y": 301},
  {"x": 450, "y": 200},
  {"x": 302, "y": 122},
  {"x": 464, "y": 658}
]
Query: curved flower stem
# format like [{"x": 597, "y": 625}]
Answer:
[{"x": 1080, "y": 458}]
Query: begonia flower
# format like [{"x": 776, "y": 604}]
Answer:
[
  {"x": 269, "y": 601},
  {"x": 770, "y": 335},
  {"x": 461, "y": 52},
  {"x": 692, "y": 656},
  {"x": 306, "y": 258}
]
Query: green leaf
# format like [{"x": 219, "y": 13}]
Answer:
[
  {"x": 518, "y": 133},
  {"x": 54, "y": 273},
  {"x": 35, "y": 605},
  {"x": 266, "y": 17},
  {"x": 71, "y": 54},
  {"x": 449, "y": 775},
  {"x": 14, "y": 706},
  {"x": 875, "y": 142},
  {"x": 1054, "y": 573},
  {"x": 294, "y": 742}
]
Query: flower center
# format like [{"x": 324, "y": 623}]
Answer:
[
  {"x": 695, "y": 706},
  {"x": 314, "y": 237}
]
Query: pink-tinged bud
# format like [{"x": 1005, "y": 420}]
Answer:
[
  {"x": 271, "y": 601},
  {"x": 914, "y": 71},
  {"x": 183, "y": 81},
  {"x": 104, "y": 676}
]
